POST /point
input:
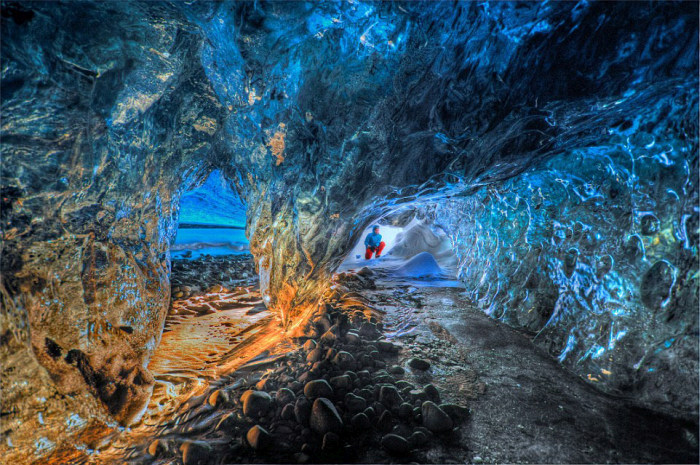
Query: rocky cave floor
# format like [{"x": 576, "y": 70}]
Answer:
[{"x": 389, "y": 372}]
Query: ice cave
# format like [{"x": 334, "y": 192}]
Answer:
[{"x": 189, "y": 194}]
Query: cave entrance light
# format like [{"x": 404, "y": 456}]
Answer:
[
  {"x": 414, "y": 253},
  {"x": 212, "y": 221}
]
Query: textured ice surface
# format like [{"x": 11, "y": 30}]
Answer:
[{"x": 595, "y": 251}]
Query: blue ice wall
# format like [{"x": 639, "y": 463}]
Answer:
[{"x": 595, "y": 251}]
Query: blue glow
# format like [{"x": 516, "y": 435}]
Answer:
[{"x": 213, "y": 203}]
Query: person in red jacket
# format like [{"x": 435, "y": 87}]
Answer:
[{"x": 374, "y": 243}]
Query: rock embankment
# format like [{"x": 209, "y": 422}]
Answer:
[
  {"x": 192, "y": 277},
  {"x": 340, "y": 397}
]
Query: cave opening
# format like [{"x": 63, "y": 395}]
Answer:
[{"x": 211, "y": 220}]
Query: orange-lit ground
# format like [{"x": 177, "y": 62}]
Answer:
[{"x": 206, "y": 337}]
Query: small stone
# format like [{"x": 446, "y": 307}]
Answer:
[
  {"x": 434, "y": 418},
  {"x": 318, "y": 388},
  {"x": 360, "y": 421},
  {"x": 386, "y": 346},
  {"x": 404, "y": 385},
  {"x": 328, "y": 337},
  {"x": 395, "y": 444},
  {"x": 418, "y": 364},
  {"x": 266, "y": 384},
  {"x": 396, "y": 370},
  {"x": 352, "y": 338},
  {"x": 477, "y": 459},
  {"x": 335, "y": 329},
  {"x": 311, "y": 332},
  {"x": 324, "y": 417},
  {"x": 255, "y": 403},
  {"x": 323, "y": 323},
  {"x": 284, "y": 430},
  {"x": 402, "y": 430},
  {"x": 418, "y": 438},
  {"x": 456, "y": 412},
  {"x": 302, "y": 411},
  {"x": 315, "y": 355},
  {"x": 344, "y": 360},
  {"x": 384, "y": 422},
  {"x": 369, "y": 331},
  {"x": 296, "y": 386},
  {"x": 195, "y": 453},
  {"x": 305, "y": 377},
  {"x": 218, "y": 398},
  {"x": 285, "y": 396},
  {"x": 156, "y": 448},
  {"x": 432, "y": 393},
  {"x": 341, "y": 382},
  {"x": 405, "y": 411},
  {"x": 330, "y": 353},
  {"x": 355, "y": 403},
  {"x": 417, "y": 395},
  {"x": 331, "y": 442},
  {"x": 365, "y": 271},
  {"x": 288, "y": 412},
  {"x": 384, "y": 378},
  {"x": 301, "y": 458},
  {"x": 309, "y": 345},
  {"x": 389, "y": 396},
  {"x": 259, "y": 438}
]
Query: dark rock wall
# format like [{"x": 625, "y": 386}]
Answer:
[{"x": 326, "y": 116}]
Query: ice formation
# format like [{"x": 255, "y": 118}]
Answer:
[{"x": 555, "y": 144}]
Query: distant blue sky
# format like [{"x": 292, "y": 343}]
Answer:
[{"x": 214, "y": 202}]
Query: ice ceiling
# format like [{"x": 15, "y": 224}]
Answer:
[{"x": 555, "y": 143}]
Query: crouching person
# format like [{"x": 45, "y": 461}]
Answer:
[{"x": 374, "y": 243}]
